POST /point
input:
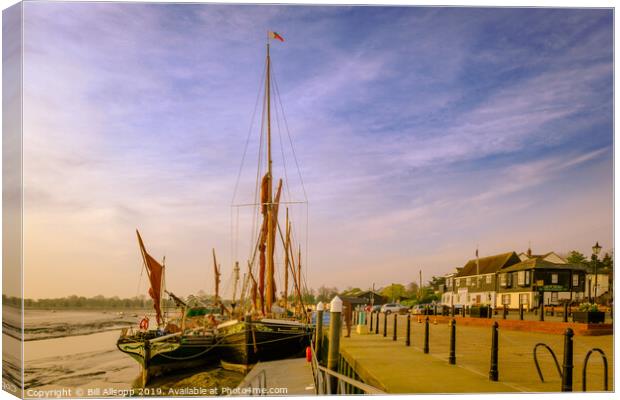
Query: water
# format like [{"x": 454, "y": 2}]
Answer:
[{"x": 81, "y": 363}]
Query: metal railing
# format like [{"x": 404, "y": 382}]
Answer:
[
  {"x": 257, "y": 385},
  {"x": 557, "y": 364},
  {"x": 327, "y": 381},
  {"x": 605, "y": 369}
]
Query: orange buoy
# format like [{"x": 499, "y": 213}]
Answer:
[{"x": 309, "y": 354}]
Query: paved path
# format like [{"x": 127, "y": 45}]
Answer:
[
  {"x": 395, "y": 368},
  {"x": 293, "y": 375}
]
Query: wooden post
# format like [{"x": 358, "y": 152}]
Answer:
[
  {"x": 335, "y": 329},
  {"x": 521, "y": 312},
  {"x": 494, "y": 373},
  {"x": 319, "y": 329},
  {"x": 452, "y": 357}
]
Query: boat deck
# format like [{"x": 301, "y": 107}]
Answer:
[{"x": 284, "y": 377}]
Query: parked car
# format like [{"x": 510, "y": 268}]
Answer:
[{"x": 393, "y": 307}]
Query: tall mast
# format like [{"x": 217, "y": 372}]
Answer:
[
  {"x": 270, "y": 221},
  {"x": 217, "y": 279},
  {"x": 286, "y": 260}
]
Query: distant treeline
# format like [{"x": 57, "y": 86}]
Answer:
[{"x": 81, "y": 302}]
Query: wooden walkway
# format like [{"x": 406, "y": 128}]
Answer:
[{"x": 284, "y": 377}]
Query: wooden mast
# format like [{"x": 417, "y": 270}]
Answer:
[
  {"x": 270, "y": 220},
  {"x": 287, "y": 243},
  {"x": 236, "y": 270},
  {"x": 217, "y": 279}
]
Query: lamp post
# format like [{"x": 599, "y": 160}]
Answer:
[{"x": 596, "y": 249}]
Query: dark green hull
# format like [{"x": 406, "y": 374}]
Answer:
[
  {"x": 266, "y": 340},
  {"x": 179, "y": 352}
]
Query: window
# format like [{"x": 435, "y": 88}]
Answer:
[
  {"x": 554, "y": 297},
  {"x": 505, "y": 299},
  {"x": 468, "y": 281},
  {"x": 489, "y": 279},
  {"x": 554, "y": 278},
  {"x": 527, "y": 278},
  {"x": 508, "y": 279},
  {"x": 575, "y": 280},
  {"x": 524, "y": 298},
  {"x": 502, "y": 280},
  {"x": 521, "y": 278}
]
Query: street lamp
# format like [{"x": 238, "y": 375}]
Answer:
[{"x": 596, "y": 249}]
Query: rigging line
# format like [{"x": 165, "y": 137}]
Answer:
[
  {"x": 247, "y": 140},
  {"x": 289, "y": 135},
  {"x": 293, "y": 233},
  {"x": 258, "y": 175},
  {"x": 286, "y": 180}
]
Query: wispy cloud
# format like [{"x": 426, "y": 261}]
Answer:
[{"x": 418, "y": 131}]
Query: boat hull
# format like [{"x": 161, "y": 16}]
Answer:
[
  {"x": 249, "y": 342},
  {"x": 157, "y": 358}
]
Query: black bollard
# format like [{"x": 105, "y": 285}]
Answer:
[
  {"x": 408, "y": 339},
  {"x": 452, "y": 311},
  {"x": 493, "y": 373},
  {"x": 521, "y": 312},
  {"x": 567, "y": 367},
  {"x": 394, "y": 337},
  {"x": 435, "y": 310},
  {"x": 371, "y": 320},
  {"x": 426, "y": 336},
  {"x": 463, "y": 310},
  {"x": 565, "y": 317},
  {"x": 490, "y": 312},
  {"x": 452, "y": 357},
  {"x": 385, "y": 325},
  {"x": 377, "y": 323},
  {"x": 505, "y": 312},
  {"x": 542, "y": 312}
]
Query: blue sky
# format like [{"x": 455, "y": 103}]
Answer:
[{"x": 420, "y": 133}]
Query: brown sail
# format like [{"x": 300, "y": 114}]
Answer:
[{"x": 155, "y": 272}]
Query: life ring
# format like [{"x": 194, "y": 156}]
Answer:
[{"x": 144, "y": 324}]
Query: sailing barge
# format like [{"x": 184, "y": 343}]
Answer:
[
  {"x": 256, "y": 329},
  {"x": 187, "y": 342},
  {"x": 265, "y": 331}
]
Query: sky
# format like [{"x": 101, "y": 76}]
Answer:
[{"x": 420, "y": 134}]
